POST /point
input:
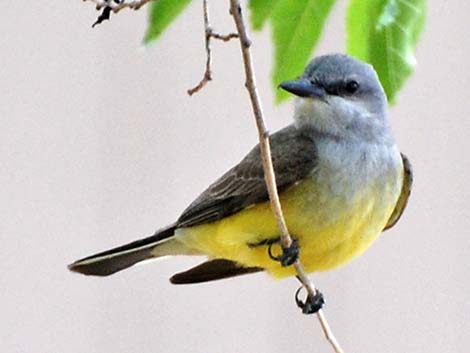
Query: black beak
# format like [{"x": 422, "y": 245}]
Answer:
[{"x": 303, "y": 88}]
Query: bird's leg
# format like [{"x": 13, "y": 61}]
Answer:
[
  {"x": 312, "y": 303},
  {"x": 289, "y": 254}
]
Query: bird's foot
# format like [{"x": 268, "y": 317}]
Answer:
[
  {"x": 312, "y": 304},
  {"x": 289, "y": 255}
]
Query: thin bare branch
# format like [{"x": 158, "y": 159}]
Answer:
[
  {"x": 117, "y": 6},
  {"x": 286, "y": 240},
  {"x": 114, "y": 6},
  {"x": 224, "y": 37},
  {"x": 208, "y": 31},
  {"x": 209, "y": 34}
]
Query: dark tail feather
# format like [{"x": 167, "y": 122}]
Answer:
[
  {"x": 108, "y": 262},
  {"x": 212, "y": 270}
]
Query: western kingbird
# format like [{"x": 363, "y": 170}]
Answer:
[{"x": 340, "y": 178}]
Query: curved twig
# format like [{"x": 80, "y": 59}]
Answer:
[
  {"x": 286, "y": 240},
  {"x": 117, "y": 6},
  {"x": 209, "y": 34}
]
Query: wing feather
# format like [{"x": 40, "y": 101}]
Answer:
[
  {"x": 294, "y": 156},
  {"x": 404, "y": 195}
]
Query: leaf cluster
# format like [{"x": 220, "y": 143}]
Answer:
[{"x": 382, "y": 32}]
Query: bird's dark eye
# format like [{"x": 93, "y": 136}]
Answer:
[{"x": 351, "y": 87}]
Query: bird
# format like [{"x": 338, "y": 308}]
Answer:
[{"x": 341, "y": 180}]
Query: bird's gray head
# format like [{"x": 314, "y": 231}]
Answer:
[{"x": 341, "y": 97}]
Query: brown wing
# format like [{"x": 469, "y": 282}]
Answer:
[
  {"x": 404, "y": 195},
  {"x": 294, "y": 156}
]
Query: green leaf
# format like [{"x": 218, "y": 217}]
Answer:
[
  {"x": 260, "y": 10},
  {"x": 297, "y": 26},
  {"x": 385, "y": 33},
  {"x": 162, "y": 13}
]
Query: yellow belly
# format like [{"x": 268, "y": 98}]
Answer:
[{"x": 330, "y": 230}]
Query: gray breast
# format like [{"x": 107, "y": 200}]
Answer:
[{"x": 347, "y": 169}]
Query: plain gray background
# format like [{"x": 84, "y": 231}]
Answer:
[{"x": 100, "y": 145}]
